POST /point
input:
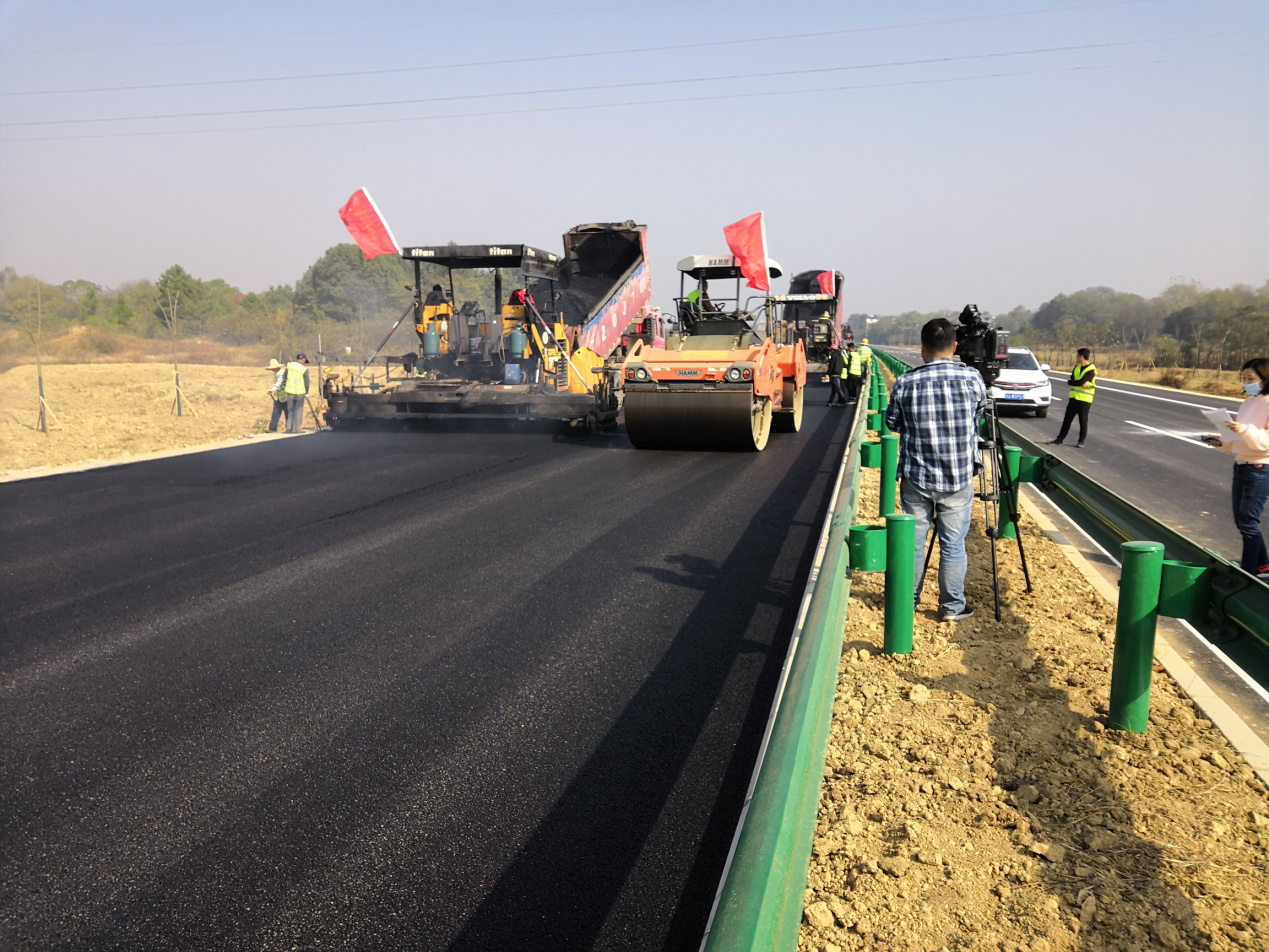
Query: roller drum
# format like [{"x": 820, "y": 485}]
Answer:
[{"x": 708, "y": 420}]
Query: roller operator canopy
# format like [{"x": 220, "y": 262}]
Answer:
[
  {"x": 532, "y": 261},
  {"x": 710, "y": 267}
]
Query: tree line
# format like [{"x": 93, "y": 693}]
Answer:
[
  {"x": 349, "y": 301},
  {"x": 1186, "y": 325}
]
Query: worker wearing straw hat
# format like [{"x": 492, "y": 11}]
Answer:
[{"x": 277, "y": 393}]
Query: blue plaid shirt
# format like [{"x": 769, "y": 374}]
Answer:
[{"x": 935, "y": 408}]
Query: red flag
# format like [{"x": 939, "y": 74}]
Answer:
[
  {"x": 747, "y": 240},
  {"x": 361, "y": 217},
  {"x": 827, "y": 284}
]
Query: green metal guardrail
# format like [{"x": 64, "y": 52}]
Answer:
[
  {"x": 1238, "y": 610},
  {"x": 759, "y": 903}
]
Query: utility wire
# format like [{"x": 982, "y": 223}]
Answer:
[
  {"x": 535, "y": 13},
  {"x": 628, "y": 103},
  {"x": 520, "y": 61},
  {"x": 609, "y": 86}
]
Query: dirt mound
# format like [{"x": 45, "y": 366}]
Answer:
[{"x": 973, "y": 798}]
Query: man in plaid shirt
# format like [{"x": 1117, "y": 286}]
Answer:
[{"x": 936, "y": 408}]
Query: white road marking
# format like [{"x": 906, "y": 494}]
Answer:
[
  {"x": 1175, "y": 436},
  {"x": 1150, "y": 396}
]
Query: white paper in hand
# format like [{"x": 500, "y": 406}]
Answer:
[{"x": 1217, "y": 419}]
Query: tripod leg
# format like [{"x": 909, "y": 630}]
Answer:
[
  {"x": 1011, "y": 500},
  {"x": 929, "y": 551},
  {"x": 990, "y": 486}
]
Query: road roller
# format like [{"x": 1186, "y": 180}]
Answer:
[{"x": 725, "y": 380}]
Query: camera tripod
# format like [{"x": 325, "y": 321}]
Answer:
[{"x": 996, "y": 489}]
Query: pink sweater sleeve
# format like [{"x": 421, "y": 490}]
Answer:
[{"x": 1252, "y": 445}]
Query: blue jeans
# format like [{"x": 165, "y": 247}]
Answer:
[
  {"x": 950, "y": 513},
  {"x": 1251, "y": 491},
  {"x": 279, "y": 413}
]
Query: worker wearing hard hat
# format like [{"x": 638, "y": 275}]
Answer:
[
  {"x": 277, "y": 394},
  {"x": 296, "y": 388},
  {"x": 865, "y": 352}
]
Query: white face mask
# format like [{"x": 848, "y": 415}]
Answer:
[{"x": 1253, "y": 389}]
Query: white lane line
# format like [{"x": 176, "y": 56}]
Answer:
[
  {"x": 1150, "y": 396},
  {"x": 1175, "y": 436}
]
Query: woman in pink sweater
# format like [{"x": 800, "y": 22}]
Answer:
[{"x": 1251, "y": 465}]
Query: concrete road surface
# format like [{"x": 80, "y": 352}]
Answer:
[
  {"x": 1143, "y": 445},
  {"x": 393, "y": 690}
]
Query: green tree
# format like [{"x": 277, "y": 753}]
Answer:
[
  {"x": 343, "y": 286},
  {"x": 122, "y": 315}
]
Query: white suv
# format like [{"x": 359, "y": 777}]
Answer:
[{"x": 1023, "y": 383}]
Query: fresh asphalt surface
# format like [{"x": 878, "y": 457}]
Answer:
[
  {"x": 1143, "y": 445},
  {"x": 425, "y": 690}
]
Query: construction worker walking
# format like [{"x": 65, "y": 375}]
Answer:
[
  {"x": 837, "y": 376},
  {"x": 854, "y": 372},
  {"x": 277, "y": 394},
  {"x": 1083, "y": 383},
  {"x": 296, "y": 392}
]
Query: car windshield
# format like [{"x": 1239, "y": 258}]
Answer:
[{"x": 1022, "y": 361}]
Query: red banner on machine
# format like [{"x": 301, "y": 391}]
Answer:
[
  {"x": 747, "y": 240},
  {"x": 361, "y": 217},
  {"x": 827, "y": 283}
]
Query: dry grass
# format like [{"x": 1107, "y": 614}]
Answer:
[
  {"x": 101, "y": 345},
  {"x": 1129, "y": 367},
  {"x": 109, "y": 412}
]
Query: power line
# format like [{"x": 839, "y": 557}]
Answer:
[
  {"x": 520, "y": 61},
  {"x": 611, "y": 86},
  {"x": 628, "y": 103},
  {"x": 534, "y": 14}
]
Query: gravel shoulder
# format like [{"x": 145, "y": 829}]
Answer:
[{"x": 973, "y": 798}]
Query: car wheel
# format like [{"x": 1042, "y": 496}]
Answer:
[{"x": 1041, "y": 412}]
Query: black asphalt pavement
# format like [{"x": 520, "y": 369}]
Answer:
[
  {"x": 409, "y": 689},
  {"x": 1143, "y": 445}
]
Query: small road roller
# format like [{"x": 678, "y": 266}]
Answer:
[{"x": 726, "y": 379}]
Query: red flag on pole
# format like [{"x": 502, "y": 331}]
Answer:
[
  {"x": 361, "y": 217},
  {"x": 747, "y": 240},
  {"x": 827, "y": 284}
]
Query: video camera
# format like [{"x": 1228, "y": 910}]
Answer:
[{"x": 982, "y": 346}]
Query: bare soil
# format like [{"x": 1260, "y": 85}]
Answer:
[
  {"x": 974, "y": 799},
  {"x": 110, "y": 412}
]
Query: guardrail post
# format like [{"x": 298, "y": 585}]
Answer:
[
  {"x": 1013, "y": 460},
  {"x": 900, "y": 583},
  {"x": 889, "y": 473},
  {"x": 1134, "y": 635},
  {"x": 883, "y": 401}
]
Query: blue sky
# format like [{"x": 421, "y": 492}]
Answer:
[{"x": 936, "y": 152}]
